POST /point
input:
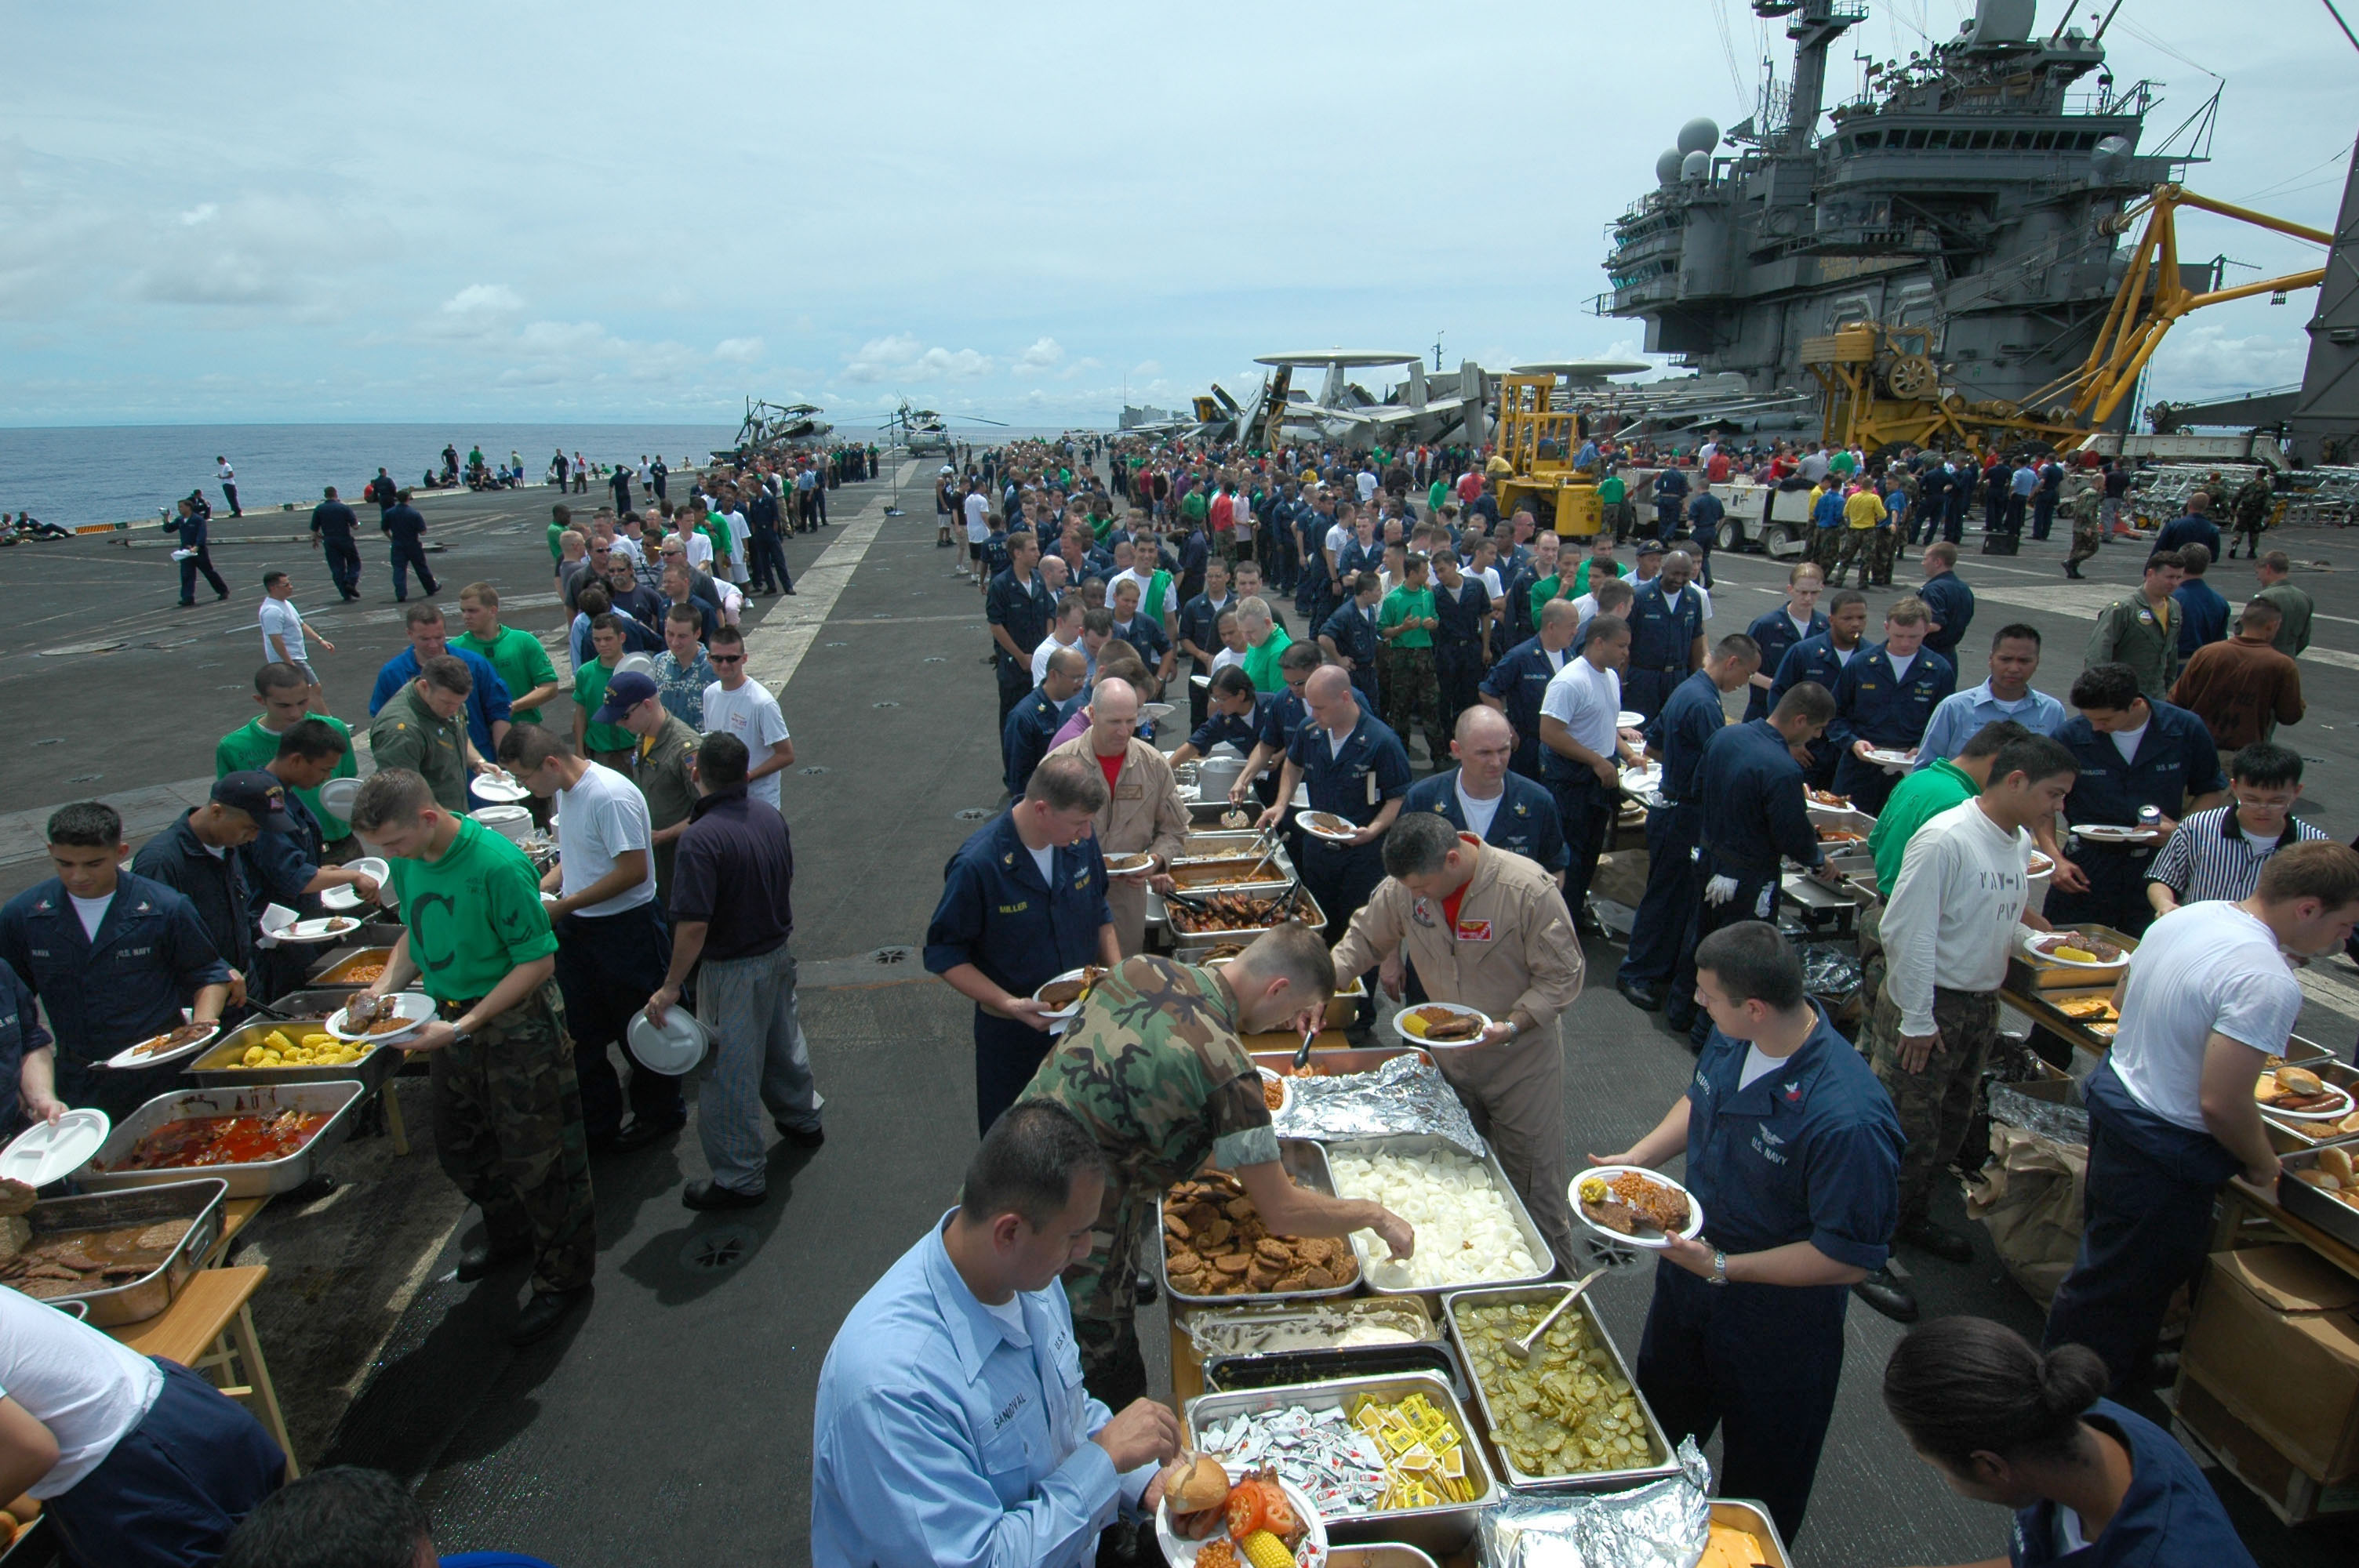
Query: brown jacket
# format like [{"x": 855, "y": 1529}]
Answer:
[
  {"x": 2242, "y": 689},
  {"x": 1514, "y": 950},
  {"x": 1144, "y": 812}
]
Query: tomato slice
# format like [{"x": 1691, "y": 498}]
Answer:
[
  {"x": 1276, "y": 1513},
  {"x": 1245, "y": 1509}
]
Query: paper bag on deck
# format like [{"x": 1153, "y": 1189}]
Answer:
[{"x": 2028, "y": 1198}]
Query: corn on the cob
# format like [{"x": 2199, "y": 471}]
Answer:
[{"x": 1264, "y": 1550}]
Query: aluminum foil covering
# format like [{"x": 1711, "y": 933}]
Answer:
[
  {"x": 1405, "y": 1095},
  {"x": 2059, "y": 1123},
  {"x": 1829, "y": 972},
  {"x": 1664, "y": 1524}
]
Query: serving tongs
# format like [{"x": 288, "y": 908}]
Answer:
[
  {"x": 1267, "y": 841},
  {"x": 1190, "y": 902}
]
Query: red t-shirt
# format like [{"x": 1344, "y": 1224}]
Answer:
[
  {"x": 1223, "y": 515},
  {"x": 1450, "y": 908},
  {"x": 1111, "y": 766}
]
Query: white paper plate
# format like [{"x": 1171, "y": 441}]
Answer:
[
  {"x": 1182, "y": 1552},
  {"x": 1653, "y": 1244},
  {"x": 2114, "y": 833},
  {"x": 124, "y": 1060},
  {"x": 1401, "y": 1026},
  {"x": 1886, "y": 757},
  {"x": 1638, "y": 781},
  {"x": 499, "y": 792},
  {"x": 1352, "y": 831},
  {"x": 674, "y": 1048},
  {"x": 326, "y": 928},
  {"x": 338, "y": 795},
  {"x": 1144, "y": 867},
  {"x": 342, "y": 896},
  {"x": 1072, "y": 1011},
  {"x": 2032, "y": 937},
  {"x": 1285, "y": 1084},
  {"x": 2330, "y": 1113},
  {"x": 43, "y": 1154},
  {"x": 1155, "y": 712},
  {"x": 1629, "y": 720},
  {"x": 415, "y": 1006}
]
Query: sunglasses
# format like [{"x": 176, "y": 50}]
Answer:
[{"x": 726, "y": 658}]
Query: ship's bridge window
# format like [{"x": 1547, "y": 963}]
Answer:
[
  {"x": 1869, "y": 140},
  {"x": 1916, "y": 139},
  {"x": 1980, "y": 140},
  {"x": 2044, "y": 142},
  {"x": 1937, "y": 138},
  {"x": 2086, "y": 141},
  {"x": 2023, "y": 141}
]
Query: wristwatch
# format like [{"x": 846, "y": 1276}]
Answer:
[{"x": 1719, "y": 1268}]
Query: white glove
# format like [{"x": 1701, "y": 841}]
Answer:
[{"x": 1719, "y": 891}]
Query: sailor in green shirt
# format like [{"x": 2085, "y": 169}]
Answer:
[
  {"x": 1264, "y": 643},
  {"x": 284, "y": 696},
  {"x": 1412, "y": 691},
  {"x": 607, "y": 743},
  {"x": 423, "y": 728},
  {"x": 1930, "y": 790},
  {"x": 508, "y": 1108},
  {"x": 1614, "y": 502},
  {"x": 522, "y": 662},
  {"x": 1600, "y": 554},
  {"x": 560, "y": 518}
]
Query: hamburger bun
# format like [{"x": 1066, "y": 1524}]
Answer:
[
  {"x": 2298, "y": 1081},
  {"x": 1197, "y": 1485},
  {"x": 2336, "y": 1163}
]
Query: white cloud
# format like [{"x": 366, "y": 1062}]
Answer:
[
  {"x": 479, "y": 299},
  {"x": 1045, "y": 354},
  {"x": 203, "y": 213},
  {"x": 899, "y": 358},
  {"x": 740, "y": 350}
]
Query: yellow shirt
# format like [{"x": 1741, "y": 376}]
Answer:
[{"x": 1864, "y": 510}]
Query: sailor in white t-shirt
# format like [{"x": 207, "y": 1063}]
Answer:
[
  {"x": 739, "y": 706},
  {"x": 612, "y": 946},
  {"x": 283, "y": 627},
  {"x": 2210, "y": 991},
  {"x": 137, "y": 1463}
]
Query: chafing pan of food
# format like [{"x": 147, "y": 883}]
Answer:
[
  {"x": 1498, "y": 1415},
  {"x": 194, "y": 1197},
  {"x": 255, "y": 1179},
  {"x": 221, "y": 1065},
  {"x": 1306, "y": 1163}
]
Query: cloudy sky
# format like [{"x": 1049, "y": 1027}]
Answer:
[{"x": 540, "y": 210}]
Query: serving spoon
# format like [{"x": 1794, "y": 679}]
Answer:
[{"x": 1521, "y": 1349}]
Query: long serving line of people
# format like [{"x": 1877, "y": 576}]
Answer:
[{"x": 989, "y": 1399}]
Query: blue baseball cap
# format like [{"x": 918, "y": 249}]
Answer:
[{"x": 624, "y": 693}]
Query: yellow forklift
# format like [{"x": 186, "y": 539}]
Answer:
[{"x": 1533, "y": 451}]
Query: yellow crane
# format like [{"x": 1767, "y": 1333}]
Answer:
[{"x": 1881, "y": 387}]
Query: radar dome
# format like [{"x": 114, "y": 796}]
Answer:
[
  {"x": 1696, "y": 165},
  {"x": 1666, "y": 167},
  {"x": 2111, "y": 158},
  {"x": 1698, "y": 136}
]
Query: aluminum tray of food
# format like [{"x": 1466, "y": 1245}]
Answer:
[
  {"x": 1185, "y": 942},
  {"x": 351, "y": 967},
  {"x": 306, "y": 1120},
  {"x": 1227, "y": 1374},
  {"x": 313, "y": 1004},
  {"x": 2090, "y": 1015},
  {"x": 1442, "y": 1529},
  {"x": 1209, "y": 843},
  {"x": 1385, "y": 1555},
  {"x": 1337, "y": 1063},
  {"x": 1577, "y": 1398},
  {"x": 163, "y": 1231},
  {"x": 2282, "y": 1085},
  {"x": 223, "y": 1064},
  {"x": 2029, "y": 970},
  {"x": 1767, "y": 1548},
  {"x": 2303, "y": 1192},
  {"x": 1343, "y": 1322},
  {"x": 1195, "y": 1221},
  {"x": 1473, "y": 1224},
  {"x": 1229, "y": 870}
]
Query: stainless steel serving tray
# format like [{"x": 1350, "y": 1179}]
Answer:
[
  {"x": 1736, "y": 1513},
  {"x": 1306, "y": 1162},
  {"x": 2306, "y": 1134},
  {"x": 259, "y": 1179},
  {"x": 1665, "y": 1463},
  {"x": 2331, "y": 1215},
  {"x": 370, "y": 1070},
  {"x": 191, "y": 1196},
  {"x": 1228, "y": 1374},
  {"x": 1306, "y": 910},
  {"x": 1413, "y": 1145},
  {"x": 333, "y": 968},
  {"x": 319, "y": 1000},
  {"x": 1444, "y": 1530}
]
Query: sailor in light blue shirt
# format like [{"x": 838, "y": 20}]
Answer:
[
  {"x": 954, "y": 1429},
  {"x": 2008, "y": 693}
]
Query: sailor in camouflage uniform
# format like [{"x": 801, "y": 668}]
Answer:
[
  {"x": 2084, "y": 499},
  {"x": 2250, "y": 511},
  {"x": 508, "y": 1110},
  {"x": 1155, "y": 1068}
]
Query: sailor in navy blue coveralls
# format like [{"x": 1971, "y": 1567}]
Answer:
[
  {"x": 1878, "y": 702},
  {"x": 1797, "y": 1170},
  {"x": 1677, "y": 736},
  {"x": 1517, "y": 682},
  {"x": 1666, "y": 621},
  {"x": 1362, "y": 781},
  {"x": 1004, "y": 927}
]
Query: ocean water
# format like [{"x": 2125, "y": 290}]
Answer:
[{"x": 72, "y": 475}]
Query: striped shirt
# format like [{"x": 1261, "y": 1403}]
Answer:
[{"x": 2209, "y": 857}]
